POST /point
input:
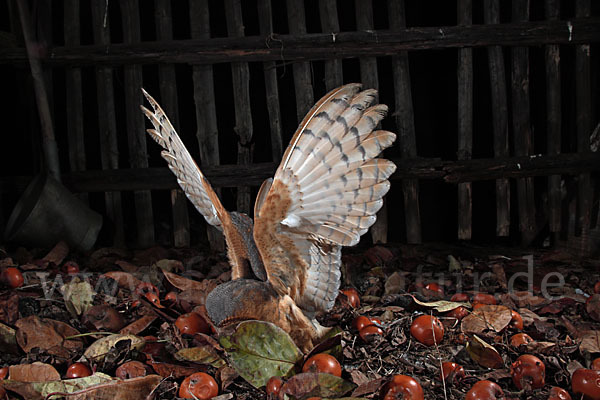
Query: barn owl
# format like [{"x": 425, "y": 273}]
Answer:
[{"x": 324, "y": 195}]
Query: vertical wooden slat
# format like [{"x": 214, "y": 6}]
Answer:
[
  {"x": 370, "y": 79},
  {"x": 136, "y": 135},
  {"x": 168, "y": 93},
  {"x": 465, "y": 122},
  {"x": 553, "y": 117},
  {"x": 522, "y": 135},
  {"x": 107, "y": 125},
  {"x": 583, "y": 106},
  {"x": 330, "y": 24},
  {"x": 302, "y": 76},
  {"x": 240, "y": 75},
  {"x": 405, "y": 123},
  {"x": 265, "y": 20},
  {"x": 206, "y": 114},
  {"x": 499, "y": 118},
  {"x": 74, "y": 100}
]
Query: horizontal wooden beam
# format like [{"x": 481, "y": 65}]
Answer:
[
  {"x": 254, "y": 174},
  {"x": 318, "y": 46}
]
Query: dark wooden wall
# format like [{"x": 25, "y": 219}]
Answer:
[{"x": 494, "y": 104}]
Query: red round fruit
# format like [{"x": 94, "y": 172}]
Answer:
[
  {"x": 323, "y": 363},
  {"x": 3, "y": 372},
  {"x": 520, "y": 339},
  {"x": 360, "y": 322},
  {"x": 484, "y": 298},
  {"x": 199, "y": 386},
  {"x": 597, "y": 287},
  {"x": 516, "y": 321},
  {"x": 459, "y": 297},
  {"x": 557, "y": 393},
  {"x": 369, "y": 332},
  {"x": 78, "y": 370},
  {"x": 596, "y": 364},
  {"x": 528, "y": 371},
  {"x": 131, "y": 369},
  {"x": 485, "y": 390},
  {"x": 71, "y": 267},
  {"x": 192, "y": 323},
  {"x": 586, "y": 382},
  {"x": 427, "y": 329},
  {"x": 171, "y": 296},
  {"x": 434, "y": 287},
  {"x": 403, "y": 387},
  {"x": 153, "y": 298},
  {"x": 479, "y": 305},
  {"x": 274, "y": 385},
  {"x": 353, "y": 297},
  {"x": 452, "y": 372},
  {"x": 459, "y": 313},
  {"x": 146, "y": 287},
  {"x": 12, "y": 277}
]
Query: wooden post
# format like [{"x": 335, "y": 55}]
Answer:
[
  {"x": 370, "y": 79},
  {"x": 136, "y": 130},
  {"x": 241, "y": 100},
  {"x": 583, "y": 106},
  {"x": 405, "y": 124},
  {"x": 107, "y": 124},
  {"x": 553, "y": 117},
  {"x": 302, "y": 76},
  {"x": 465, "y": 121},
  {"x": 522, "y": 135},
  {"x": 74, "y": 111},
  {"x": 41, "y": 95},
  {"x": 265, "y": 20},
  {"x": 168, "y": 93},
  {"x": 330, "y": 24},
  {"x": 206, "y": 114},
  {"x": 499, "y": 118}
]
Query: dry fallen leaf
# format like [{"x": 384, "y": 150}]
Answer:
[
  {"x": 47, "y": 334},
  {"x": 183, "y": 283},
  {"x": 57, "y": 254},
  {"x": 590, "y": 342},
  {"x": 138, "y": 325},
  {"x": 484, "y": 354},
  {"x": 442, "y": 305},
  {"x": 490, "y": 317},
  {"x": 124, "y": 279},
  {"x": 36, "y": 372},
  {"x": 98, "y": 350}
]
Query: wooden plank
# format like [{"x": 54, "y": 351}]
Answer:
[
  {"x": 302, "y": 73},
  {"x": 499, "y": 118},
  {"x": 522, "y": 135},
  {"x": 405, "y": 124},
  {"x": 370, "y": 79},
  {"x": 206, "y": 113},
  {"x": 74, "y": 100},
  {"x": 168, "y": 93},
  {"x": 136, "y": 130},
  {"x": 254, "y": 174},
  {"x": 107, "y": 123},
  {"x": 465, "y": 121},
  {"x": 320, "y": 46},
  {"x": 553, "y": 117},
  {"x": 265, "y": 20},
  {"x": 583, "y": 104},
  {"x": 329, "y": 24},
  {"x": 49, "y": 145},
  {"x": 240, "y": 75}
]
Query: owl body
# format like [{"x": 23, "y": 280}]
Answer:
[{"x": 324, "y": 195}]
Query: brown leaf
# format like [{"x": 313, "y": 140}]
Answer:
[
  {"x": 127, "y": 266},
  {"x": 590, "y": 342},
  {"x": 490, "y": 317},
  {"x": 369, "y": 387},
  {"x": 47, "y": 334},
  {"x": 484, "y": 354},
  {"x": 36, "y": 372},
  {"x": 378, "y": 255},
  {"x": 9, "y": 308},
  {"x": 498, "y": 270},
  {"x": 395, "y": 283},
  {"x": 182, "y": 283},
  {"x": 136, "y": 388},
  {"x": 308, "y": 384},
  {"x": 175, "y": 370},
  {"x": 592, "y": 306},
  {"x": 124, "y": 279},
  {"x": 226, "y": 375},
  {"x": 528, "y": 299},
  {"x": 57, "y": 254},
  {"x": 138, "y": 326},
  {"x": 529, "y": 317}
]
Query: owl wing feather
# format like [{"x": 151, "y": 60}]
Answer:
[
  {"x": 324, "y": 195},
  {"x": 199, "y": 191}
]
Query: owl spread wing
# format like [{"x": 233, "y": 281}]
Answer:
[
  {"x": 324, "y": 195},
  {"x": 237, "y": 228}
]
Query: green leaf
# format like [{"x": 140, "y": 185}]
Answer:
[
  {"x": 259, "y": 350},
  {"x": 200, "y": 355},
  {"x": 308, "y": 384}
]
